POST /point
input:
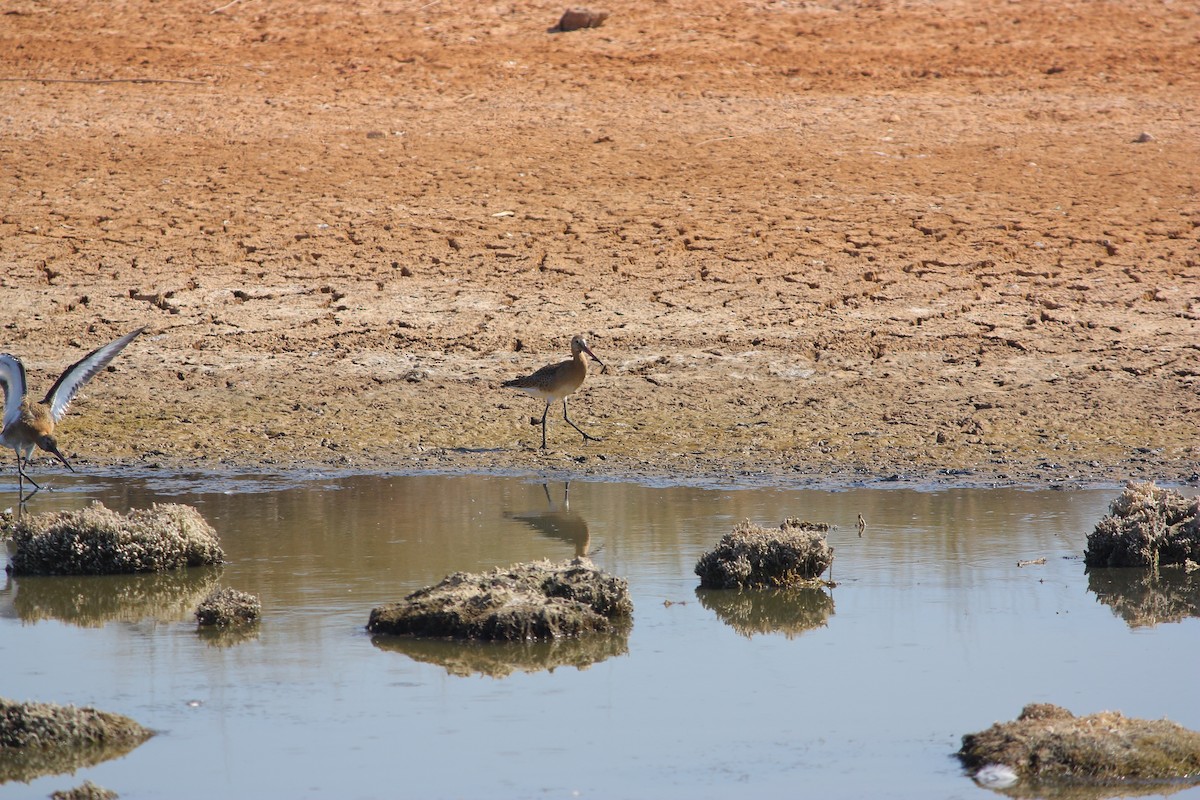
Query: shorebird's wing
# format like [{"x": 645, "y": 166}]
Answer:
[
  {"x": 12, "y": 378},
  {"x": 542, "y": 379},
  {"x": 70, "y": 382}
]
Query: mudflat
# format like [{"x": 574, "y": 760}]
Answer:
[{"x": 814, "y": 241}]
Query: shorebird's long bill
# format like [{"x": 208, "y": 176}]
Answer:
[
  {"x": 603, "y": 366},
  {"x": 54, "y": 451}
]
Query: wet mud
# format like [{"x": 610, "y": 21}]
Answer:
[{"x": 814, "y": 242}]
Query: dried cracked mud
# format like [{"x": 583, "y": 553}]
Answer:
[{"x": 814, "y": 241}]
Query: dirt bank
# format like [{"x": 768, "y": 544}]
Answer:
[{"x": 813, "y": 240}]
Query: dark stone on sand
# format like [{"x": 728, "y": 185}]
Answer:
[
  {"x": 99, "y": 541},
  {"x": 574, "y": 19},
  {"x": 39, "y": 739},
  {"x": 1047, "y": 744},
  {"x": 225, "y": 607},
  {"x": 524, "y": 602},
  {"x": 794, "y": 554},
  {"x": 1146, "y": 527}
]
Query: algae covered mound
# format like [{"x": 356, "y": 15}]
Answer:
[
  {"x": 47, "y": 725},
  {"x": 45, "y": 739},
  {"x": 85, "y": 791},
  {"x": 99, "y": 541},
  {"x": 750, "y": 556},
  {"x": 1047, "y": 743},
  {"x": 1146, "y": 527},
  {"x": 524, "y": 602},
  {"x": 224, "y": 607}
]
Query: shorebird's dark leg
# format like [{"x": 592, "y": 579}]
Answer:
[
  {"x": 544, "y": 413},
  {"x": 586, "y": 437},
  {"x": 21, "y": 478}
]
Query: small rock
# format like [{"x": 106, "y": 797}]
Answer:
[
  {"x": 1049, "y": 744},
  {"x": 39, "y": 739},
  {"x": 47, "y": 724},
  {"x": 86, "y": 791},
  {"x": 750, "y": 556},
  {"x": 225, "y": 607},
  {"x": 1146, "y": 527},
  {"x": 99, "y": 541},
  {"x": 575, "y": 18},
  {"x": 524, "y": 602},
  {"x": 1143, "y": 137}
]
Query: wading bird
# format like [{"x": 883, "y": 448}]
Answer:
[
  {"x": 554, "y": 382},
  {"x": 28, "y": 424}
]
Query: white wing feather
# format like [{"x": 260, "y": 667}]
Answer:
[
  {"x": 72, "y": 380},
  {"x": 12, "y": 377}
]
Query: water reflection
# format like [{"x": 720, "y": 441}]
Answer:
[
  {"x": 560, "y": 523},
  {"x": 500, "y": 659},
  {"x": 29, "y": 763},
  {"x": 228, "y": 636},
  {"x": 1067, "y": 791},
  {"x": 1146, "y": 597},
  {"x": 787, "y": 611},
  {"x": 932, "y": 591},
  {"x": 90, "y": 601}
]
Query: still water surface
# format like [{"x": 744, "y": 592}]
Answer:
[{"x": 933, "y": 631}]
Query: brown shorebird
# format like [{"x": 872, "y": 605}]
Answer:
[
  {"x": 28, "y": 424},
  {"x": 554, "y": 382}
]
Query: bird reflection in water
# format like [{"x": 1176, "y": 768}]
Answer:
[{"x": 561, "y": 523}]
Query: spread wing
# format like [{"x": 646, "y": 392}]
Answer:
[
  {"x": 70, "y": 382},
  {"x": 12, "y": 378}
]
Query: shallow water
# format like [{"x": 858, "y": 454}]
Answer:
[{"x": 933, "y": 631}]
